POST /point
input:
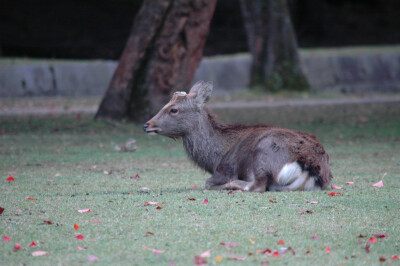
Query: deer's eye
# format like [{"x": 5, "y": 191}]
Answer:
[{"x": 173, "y": 111}]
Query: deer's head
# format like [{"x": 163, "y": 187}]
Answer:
[{"x": 182, "y": 112}]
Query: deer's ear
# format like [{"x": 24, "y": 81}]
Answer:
[{"x": 201, "y": 92}]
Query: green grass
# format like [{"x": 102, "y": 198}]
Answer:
[{"x": 63, "y": 172}]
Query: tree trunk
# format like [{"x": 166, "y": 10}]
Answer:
[
  {"x": 162, "y": 53},
  {"x": 273, "y": 46}
]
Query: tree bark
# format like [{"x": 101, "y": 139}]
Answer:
[
  {"x": 162, "y": 53},
  {"x": 273, "y": 46}
]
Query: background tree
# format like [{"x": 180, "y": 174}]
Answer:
[
  {"x": 163, "y": 51},
  {"x": 273, "y": 46}
]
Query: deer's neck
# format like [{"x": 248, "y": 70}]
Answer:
[{"x": 205, "y": 145}]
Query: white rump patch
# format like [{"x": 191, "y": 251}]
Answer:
[{"x": 291, "y": 177}]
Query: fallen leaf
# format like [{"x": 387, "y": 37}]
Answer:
[
  {"x": 275, "y": 254},
  {"x": 272, "y": 230},
  {"x": 381, "y": 235},
  {"x": 229, "y": 244},
  {"x": 252, "y": 240},
  {"x": 10, "y": 178},
  {"x": 336, "y": 187},
  {"x": 300, "y": 212},
  {"x": 237, "y": 258},
  {"x": 313, "y": 202},
  {"x": 191, "y": 199},
  {"x": 30, "y": 198},
  {"x": 230, "y": 192},
  {"x": 17, "y": 246},
  {"x": 47, "y": 222},
  {"x": 315, "y": 237},
  {"x": 267, "y": 251},
  {"x": 39, "y": 253},
  {"x": 33, "y": 245},
  {"x": 150, "y": 233},
  {"x": 281, "y": 242},
  {"x": 205, "y": 254},
  {"x": 309, "y": 212},
  {"x": 80, "y": 237},
  {"x": 328, "y": 249},
  {"x": 361, "y": 236},
  {"x": 367, "y": 246},
  {"x": 395, "y": 257},
  {"x": 92, "y": 258},
  {"x": 273, "y": 201},
  {"x": 218, "y": 259},
  {"x": 107, "y": 172},
  {"x": 6, "y": 239},
  {"x": 81, "y": 248},
  {"x": 97, "y": 221},
  {"x": 194, "y": 186},
  {"x": 84, "y": 210},
  {"x": 144, "y": 188},
  {"x": 147, "y": 203},
  {"x": 205, "y": 201},
  {"x": 199, "y": 260},
  {"x": 158, "y": 208},
  {"x": 379, "y": 184},
  {"x": 350, "y": 183},
  {"x": 156, "y": 251},
  {"x": 1, "y": 210},
  {"x": 381, "y": 259},
  {"x": 332, "y": 194},
  {"x": 76, "y": 227},
  {"x": 372, "y": 240}
]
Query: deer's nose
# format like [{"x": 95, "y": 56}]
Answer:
[{"x": 145, "y": 126}]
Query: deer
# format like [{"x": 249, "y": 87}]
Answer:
[{"x": 255, "y": 158}]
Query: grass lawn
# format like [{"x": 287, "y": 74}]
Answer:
[{"x": 63, "y": 172}]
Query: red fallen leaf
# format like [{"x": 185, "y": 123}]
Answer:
[
  {"x": 81, "y": 248},
  {"x": 367, "y": 246},
  {"x": 281, "y": 242},
  {"x": 76, "y": 227},
  {"x": 205, "y": 201},
  {"x": 381, "y": 259},
  {"x": 350, "y": 183},
  {"x": 273, "y": 201},
  {"x": 10, "y": 178},
  {"x": 84, "y": 210},
  {"x": 150, "y": 233},
  {"x": 395, "y": 257},
  {"x": 309, "y": 212},
  {"x": 78, "y": 117},
  {"x": 194, "y": 186},
  {"x": 230, "y": 192},
  {"x": 199, "y": 260},
  {"x": 156, "y": 251},
  {"x": 33, "y": 245},
  {"x": 30, "y": 198},
  {"x": 275, "y": 254},
  {"x": 6, "y": 239},
  {"x": 308, "y": 252},
  {"x": 372, "y": 240},
  {"x": 379, "y": 184},
  {"x": 336, "y": 187},
  {"x": 135, "y": 177},
  {"x": 328, "y": 249},
  {"x": 381, "y": 235},
  {"x": 229, "y": 244},
  {"x": 332, "y": 194},
  {"x": 291, "y": 249},
  {"x": 92, "y": 258},
  {"x": 361, "y": 236},
  {"x": 315, "y": 237},
  {"x": 80, "y": 237},
  {"x": 237, "y": 258},
  {"x": 158, "y": 208},
  {"x": 97, "y": 221},
  {"x": 1, "y": 210},
  {"x": 17, "y": 246},
  {"x": 47, "y": 222},
  {"x": 191, "y": 199},
  {"x": 267, "y": 251}
]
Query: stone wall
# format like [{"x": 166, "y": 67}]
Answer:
[{"x": 346, "y": 70}]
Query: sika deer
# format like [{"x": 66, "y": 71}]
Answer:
[{"x": 252, "y": 158}]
